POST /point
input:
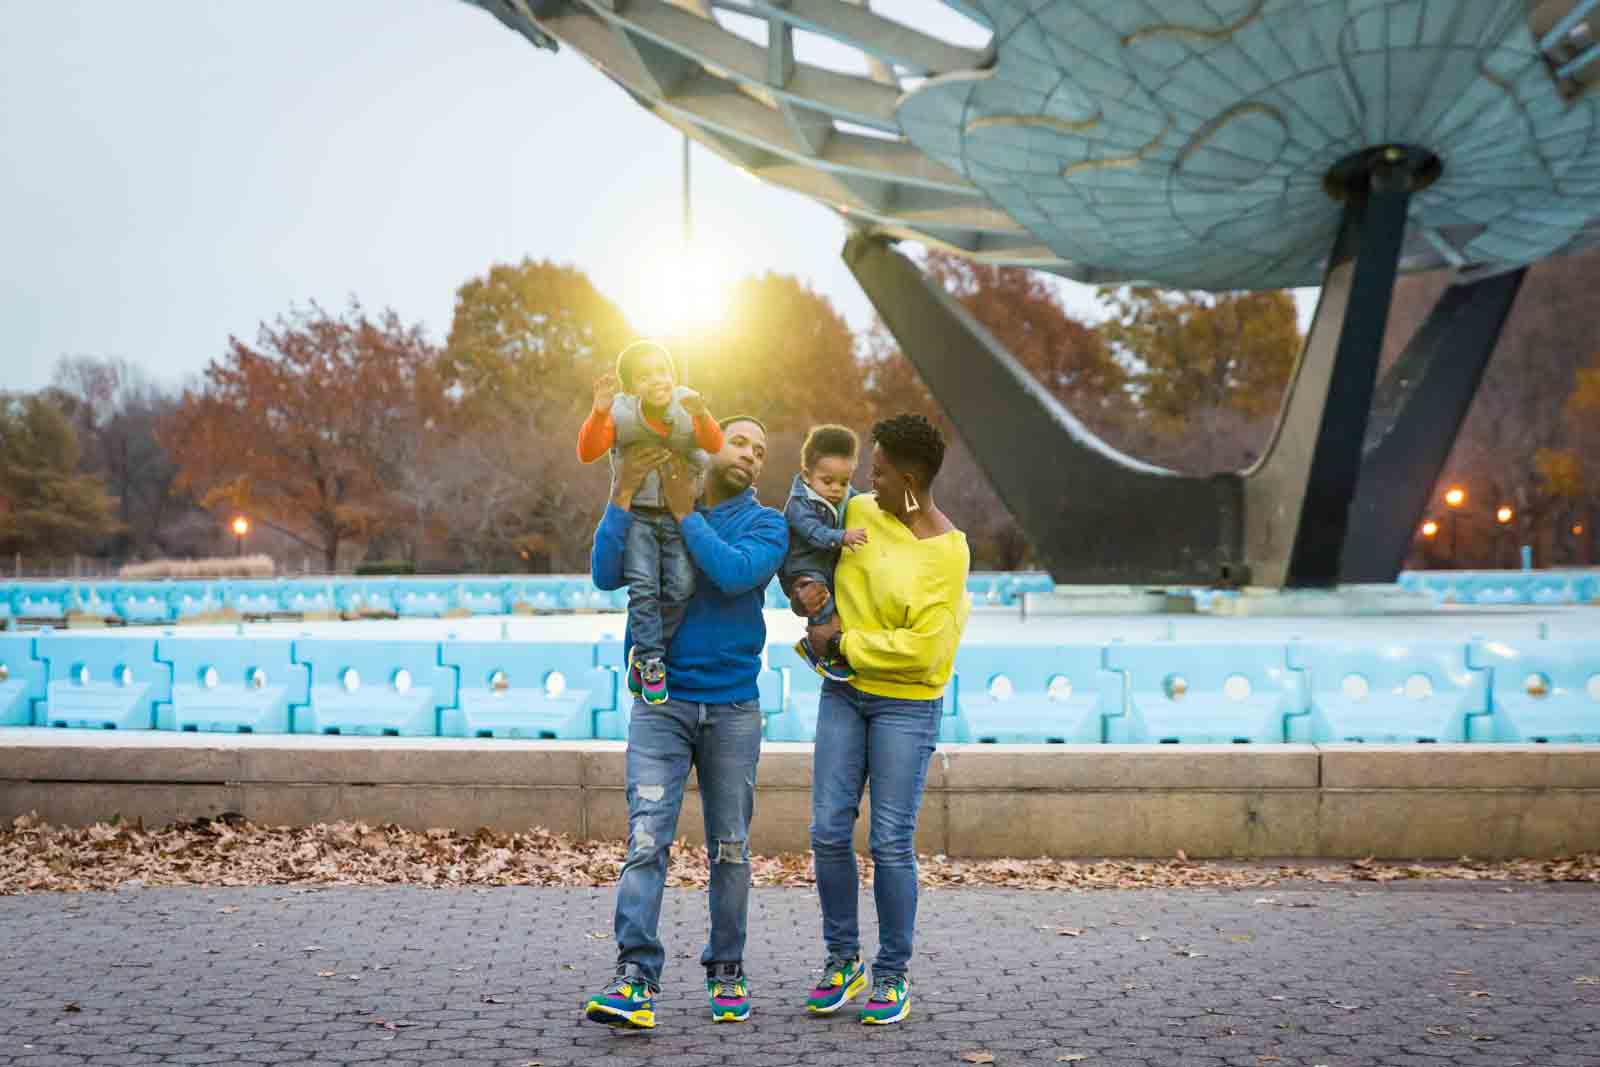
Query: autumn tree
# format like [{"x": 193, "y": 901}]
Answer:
[
  {"x": 784, "y": 354},
  {"x": 526, "y": 342},
  {"x": 115, "y": 409},
  {"x": 1550, "y": 336},
  {"x": 46, "y": 505},
  {"x": 309, "y": 429},
  {"x": 1023, "y": 311}
]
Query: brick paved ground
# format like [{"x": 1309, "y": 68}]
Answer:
[{"x": 1413, "y": 975}]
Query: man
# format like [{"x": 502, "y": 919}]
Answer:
[{"x": 711, "y": 722}]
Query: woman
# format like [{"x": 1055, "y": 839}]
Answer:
[{"x": 902, "y": 603}]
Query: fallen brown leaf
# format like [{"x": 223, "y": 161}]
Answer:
[
  {"x": 978, "y": 1057},
  {"x": 1072, "y": 1057},
  {"x": 72, "y": 1005},
  {"x": 38, "y": 857},
  {"x": 327, "y": 974},
  {"x": 1070, "y": 932}
]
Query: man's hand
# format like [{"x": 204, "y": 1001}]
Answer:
[
  {"x": 855, "y": 538},
  {"x": 820, "y": 635},
  {"x": 606, "y": 388},
  {"x": 678, "y": 486},
  {"x": 694, "y": 404},
  {"x": 637, "y": 461},
  {"x": 809, "y": 597}
]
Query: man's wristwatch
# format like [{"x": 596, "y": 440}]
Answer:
[{"x": 834, "y": 650}]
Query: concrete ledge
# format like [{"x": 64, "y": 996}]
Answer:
[{"x": 983, "y": 801}]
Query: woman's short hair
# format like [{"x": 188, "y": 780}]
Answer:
[
  {"x": 911, "y": 440},
  {"x": 829, "y": 440}
]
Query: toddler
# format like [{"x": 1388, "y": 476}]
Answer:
[
  {"x": 642, "y": 402},
  {"x": 815, "y": 514}
]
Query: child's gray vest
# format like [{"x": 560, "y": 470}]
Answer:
[{"x": 630, "y": 429}]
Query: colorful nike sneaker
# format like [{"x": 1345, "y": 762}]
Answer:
[
  {"x": 628, "y": 1002},
  {"x": 653, "y": 679},
  {"x": 729, "y": 993},
  {"x": 635, "y": 683},
  {"x": 842, "y": 980},
  {"x": 836, "y": 669},
  {"x": 889, "y": 1001}
]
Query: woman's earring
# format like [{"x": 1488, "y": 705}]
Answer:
[{"x": 911, "y": 501}]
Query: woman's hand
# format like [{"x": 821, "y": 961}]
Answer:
[
  {"x": 637, "y": 461},
  {"x": 809, "y": 597},
  {"x": 677, "y": 487},
  {"x": 819, "y": 636}
]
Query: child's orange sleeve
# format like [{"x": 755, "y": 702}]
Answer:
[
  {"x": 707, "y": 434},
  {"x": 596, "y": 436}
]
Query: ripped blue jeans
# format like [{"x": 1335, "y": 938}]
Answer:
[{"x": 722, "y": 742}]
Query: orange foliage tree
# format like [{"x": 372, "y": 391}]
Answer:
[{"x": 310, "y": 428}]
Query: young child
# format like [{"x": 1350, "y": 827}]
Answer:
[
  {"x": 815, "y": 513},
  {"x": 642, "y": 402}
]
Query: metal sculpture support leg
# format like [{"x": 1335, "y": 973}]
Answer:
[
  {"x": 1096, "y": 516},
  {"x": 1298, "y": 495},
  {"x": 1416, "y": 416},
  {"x": 1091, "y": 514}
]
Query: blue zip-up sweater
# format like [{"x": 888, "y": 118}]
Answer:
[{"x": 736, "y": 548}]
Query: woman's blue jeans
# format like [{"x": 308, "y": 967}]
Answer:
[
  {"x": 722, "y": 742},
  {"x": 885, "y": 741}
]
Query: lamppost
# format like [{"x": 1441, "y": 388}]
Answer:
[
  {"x": 241, "y": 526},
  {"x": 1430, "y": 530},
  {"x": 1455, "y": 496}
]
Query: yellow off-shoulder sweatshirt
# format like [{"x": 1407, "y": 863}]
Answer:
[{"x": 903, "y": 604}]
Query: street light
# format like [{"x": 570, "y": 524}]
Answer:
[
  {"x": 1455, "y": 496},
  {"x": 241, "y": 526},
  {"x": 1430, "y": 528},
  {"x": 1503, "y": 516}
]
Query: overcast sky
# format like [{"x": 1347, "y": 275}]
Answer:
[{"x": 177, "y": 172}]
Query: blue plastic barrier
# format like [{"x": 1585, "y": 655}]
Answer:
[
  {"x": 110, "y": 683},
  {"x": 144, "y": 602},
  {"x": 226, "y": 686},
  {"x": 374, "y": 687},
  {"x": 191, "y": 599},
  {"x": 516, "y": 689},
  {"x": 366, "y": 596},
  {"x": 427, "y": 599},
  {"x": 1385, "y": 694},
  {"x": 22, "y": 680},
  {"x": 797, "y": 719},
  {"x": 37, "y": 600},
  {"x": 308, "y": 597},
  {"x": 1540, "y": 690},
  {"x": 1035, "y": 694},
  {"x": 254, "y": 597},
  {"x": 1210, "y": 693},
  {"x": 484, "y": 597}
]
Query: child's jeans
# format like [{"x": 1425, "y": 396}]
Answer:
[
  {"x": 827, "y": 609},
  {"x": 660, "y": 577}
]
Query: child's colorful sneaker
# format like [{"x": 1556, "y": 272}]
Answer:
[
  {"x": 629, "y": 1001},
  {"x": 842, "y": 980},
  {"x": 635, "y": 683},
  {"x": 889, "y": 1001},
  {"x": 836, "y": 669},
  {"x": 653, "y": 679},
  {"x": 729, "y": 993}
]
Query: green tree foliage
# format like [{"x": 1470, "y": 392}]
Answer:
[
  {"x": 46, "y": 506},
  {"x": 527, "y": 341},
  {"x": 1202, "y": 351}
]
